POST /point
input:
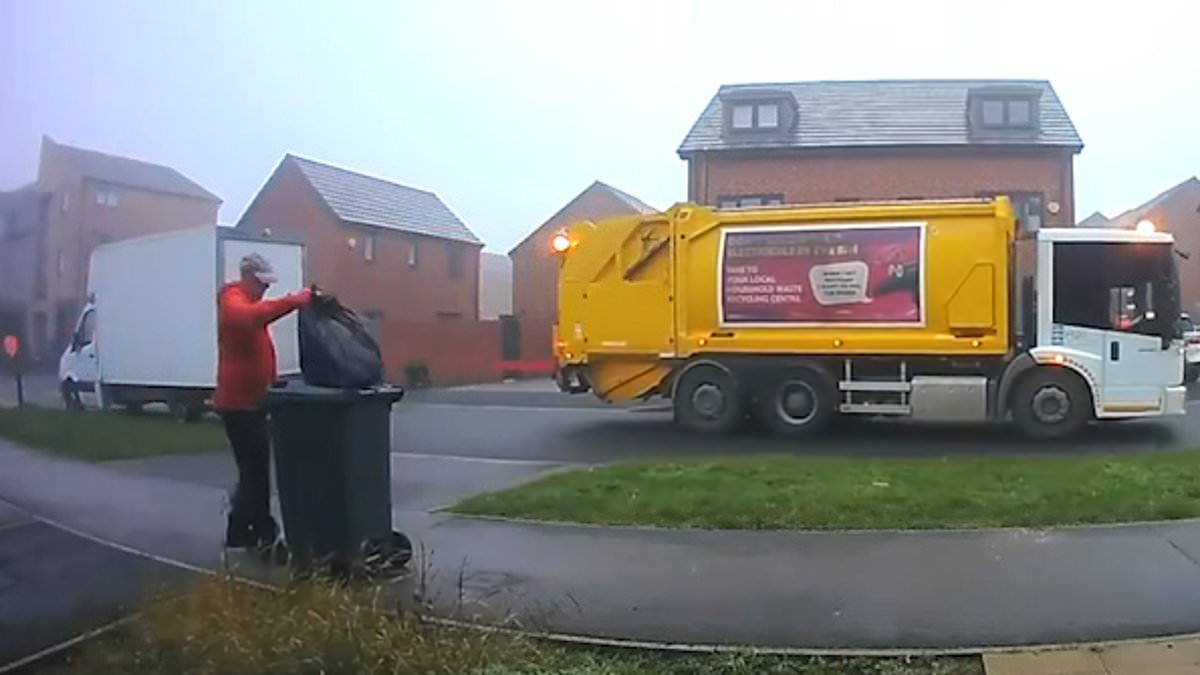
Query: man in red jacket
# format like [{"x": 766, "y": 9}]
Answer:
[{"x": 245, "y": 368}]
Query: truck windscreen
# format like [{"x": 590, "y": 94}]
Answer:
[{"x": 1128, "y": 287}]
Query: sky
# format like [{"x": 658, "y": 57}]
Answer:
[{"x": 508, "y": 109}]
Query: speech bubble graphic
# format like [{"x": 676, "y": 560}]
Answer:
[{"x": 839, "y": 283}]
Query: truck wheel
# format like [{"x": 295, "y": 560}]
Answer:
[
  {"x": 800, "y": 402},
  {"x": 70, "y": 395},
  {"x": 1051, "y": 403},
  {"x": 709, "y": 399}
]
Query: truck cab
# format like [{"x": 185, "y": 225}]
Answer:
[
  {"x": 78, "y": 366},
  {"x": 1107, "y": 308}
]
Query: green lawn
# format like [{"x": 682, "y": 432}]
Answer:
[
  {"x": 100, "y": 436},
  {"x": 825, "y": 494}
]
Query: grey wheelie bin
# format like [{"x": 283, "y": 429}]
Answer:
[{"x": 333, "y": 469}]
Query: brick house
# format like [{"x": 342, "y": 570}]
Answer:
[
  {"x": 535, "y": 268},
  {"x": 395, "y": 254},
  {"x": 81, "y": 199},
  {"x": 1177, "y": 211},
  {"x": 806, "y": 142}
]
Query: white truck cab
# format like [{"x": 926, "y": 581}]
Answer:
[
  {"x": 79, "y": 366},
  {"x": 1126, "y": 343}
]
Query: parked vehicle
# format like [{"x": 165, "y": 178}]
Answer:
[
  {"x": 936, "y": 310},
  {"x": 1191, "y": 353},
  {"x": 149, "y": 331}
]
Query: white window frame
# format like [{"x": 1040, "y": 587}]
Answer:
[{"x": 369, "y": 244}]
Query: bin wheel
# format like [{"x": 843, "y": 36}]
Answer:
[
  {"x": 1051, "y": 403},
  {"x": 708, "y": 398},
  {"x": 798, "y": 402}
]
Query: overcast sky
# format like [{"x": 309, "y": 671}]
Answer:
[{"x": 508, "y": 109}]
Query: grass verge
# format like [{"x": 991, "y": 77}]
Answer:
[
  {"x": 102, "y": 436},
  {"x": 221, "y": 627},
  {"x": 823, "y": 494}
]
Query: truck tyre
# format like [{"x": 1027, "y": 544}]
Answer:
[
  {"x": 1051, "y": 403},
  {"x": 72, "y": 401},
  {"x": 798, "y": 402},
  {"x": 709, "y": 399}
]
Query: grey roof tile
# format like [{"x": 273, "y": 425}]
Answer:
[
  {"x": 133, "y": 173},
  {"x": 1130, "y": 218},
  {"x": 367, "y": 200},
  {"x": 881, "y": 113},
  {"x": 633, "y": 202}
]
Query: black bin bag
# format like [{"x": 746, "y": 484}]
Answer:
[{"x": 336, "y": 350}]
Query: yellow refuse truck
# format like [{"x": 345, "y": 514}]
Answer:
[{"x": 936, "y": 310}]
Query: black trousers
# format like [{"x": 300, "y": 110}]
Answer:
[{"x": 250, "y": 521}]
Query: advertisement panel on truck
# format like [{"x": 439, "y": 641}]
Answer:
[{"x": 856, "y": 275}]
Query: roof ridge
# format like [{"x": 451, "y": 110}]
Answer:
[
  {"x": 97, "y": 163},
  {"x": 124, "y": 158},
  {"x": 918, "y": 80},
  {"x": 356, "y": 172}
]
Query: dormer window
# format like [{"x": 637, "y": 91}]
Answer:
[
  {"x": 1004, "y": 110},
  {"x": 760, "y": 111},
  {"x": 747, "y": 116}
]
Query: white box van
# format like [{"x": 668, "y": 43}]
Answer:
[{"x": 148, "y": 333}]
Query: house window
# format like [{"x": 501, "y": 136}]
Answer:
[
  {"x": 1005, "y": 113},
  {"x": 1028, "y": 207},
  {"x": 454, "y": 259},
  {"x": 413, "y": 259},
  {"x": 743, "y": 117},
  {"x": 369, "y": 244},
  {"x": 107, "y": 197},
  {"x": 748, "y": 201},
  {"x": 768, "y": 116},
  {"x": 751, "y": 116},
  {"x": 1020, "y": 113}
]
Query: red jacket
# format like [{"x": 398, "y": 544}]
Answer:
[{"x": 245, "y": 353}]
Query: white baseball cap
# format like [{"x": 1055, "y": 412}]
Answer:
[{"x": 258, "y": 266}]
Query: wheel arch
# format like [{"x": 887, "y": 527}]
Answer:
[
  {"x": 677, "y": 376},
  {"x": 1026, "y": 365}
]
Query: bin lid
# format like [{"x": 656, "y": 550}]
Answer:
[{"x": 297, "y": 392}]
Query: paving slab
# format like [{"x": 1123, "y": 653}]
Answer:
[
  {"x": 1136, "y": 659},
  {"x": 1069, "y": 662}
]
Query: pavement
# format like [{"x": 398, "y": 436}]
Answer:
[{"x": 957, "y": 590}]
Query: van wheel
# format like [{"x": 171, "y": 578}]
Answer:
[
  {"x": 1051, "y": 403},
  {"x": 185, "y": 409},
  {"x": 70, "y": 395},
  {"x": 799, "y": 402},
  {"x": 708, "y": 398}
]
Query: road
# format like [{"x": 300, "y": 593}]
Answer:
[{"x": 519, "y": 432}]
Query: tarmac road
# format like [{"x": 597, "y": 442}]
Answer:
[{"x": 562, "y": 434}]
